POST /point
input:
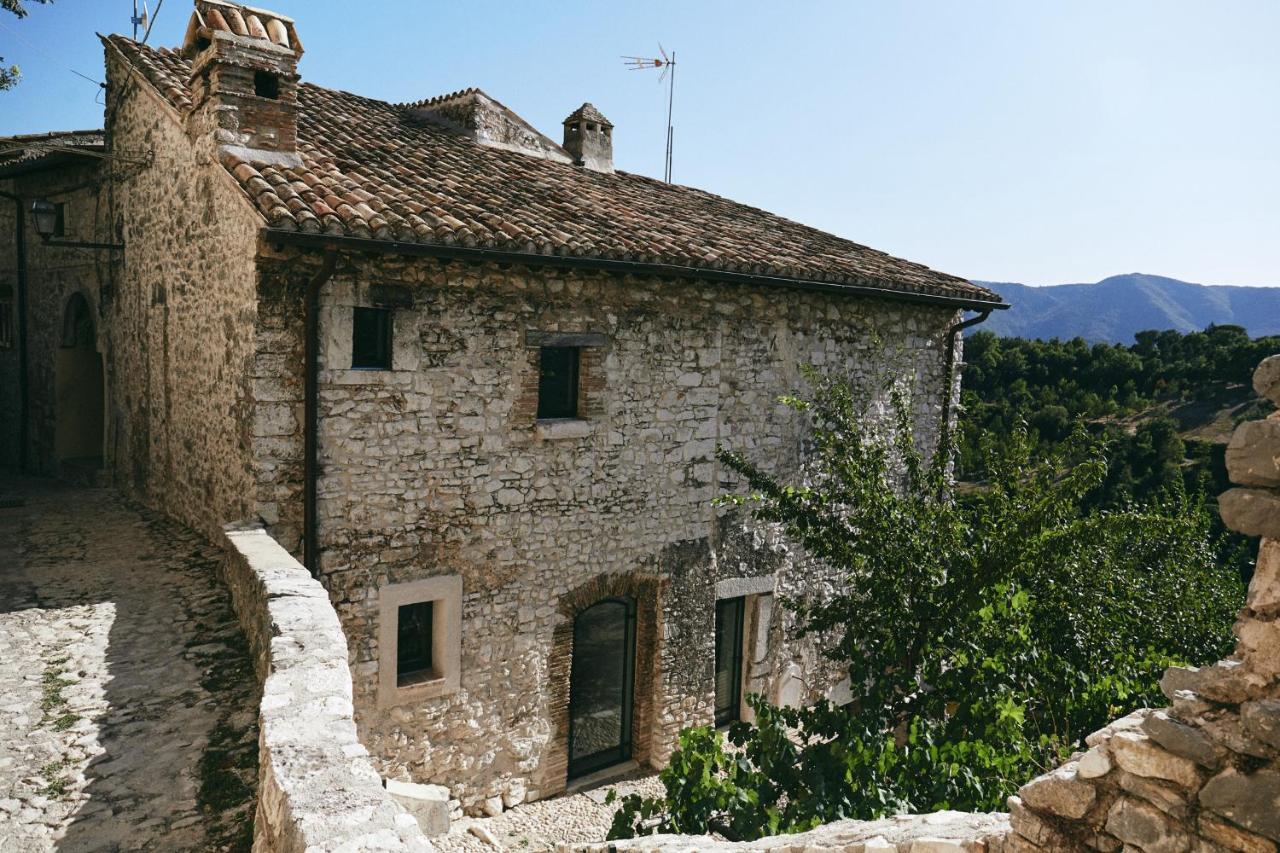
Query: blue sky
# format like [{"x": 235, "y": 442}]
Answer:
[{"x": 1042, "y": 142}]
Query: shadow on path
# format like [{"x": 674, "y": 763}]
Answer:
[{"x": 128, "y": 717}]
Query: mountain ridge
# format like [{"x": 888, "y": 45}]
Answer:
[{"x": 1114, "y": 309}]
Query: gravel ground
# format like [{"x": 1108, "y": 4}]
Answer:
[{"x": 540, "y": 826}]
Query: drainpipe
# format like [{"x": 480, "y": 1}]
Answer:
[
  {"x": 950, "y": 371},
  {"x": 311, "y": 416},
  {"x": 20, "y": 248}
]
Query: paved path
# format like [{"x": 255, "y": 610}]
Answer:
[
  {"x": 127, "y": 706},
  {"x": 536, "y": 827}
]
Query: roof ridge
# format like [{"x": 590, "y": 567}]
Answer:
[{"x": 440, "y": 99}]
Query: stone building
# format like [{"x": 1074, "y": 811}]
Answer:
[{"x": 474, "y": 377}]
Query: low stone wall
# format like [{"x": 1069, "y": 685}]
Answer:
[
  {"x": 317, "y": 789},
  {"x": 940, "y": 832},
  {"x": 1203, "y": 774}
]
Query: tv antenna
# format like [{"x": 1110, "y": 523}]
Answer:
[
  {"x": 668, "y": 66},
  {"x": 138, "y": 20}
]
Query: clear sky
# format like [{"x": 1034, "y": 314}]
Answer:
[{"x": 1013, "y": 140}]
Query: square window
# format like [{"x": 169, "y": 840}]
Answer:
[
  {"x": 558, "y": 382},
  {"x": 414, "y": 638},
  {"x": 371, "y": 339},
  {"x": 266, "y": 85},
  {"x": 419, "y": 640}
]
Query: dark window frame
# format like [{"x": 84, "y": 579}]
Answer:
[
  {"x": 422, "y": 666},
  {"x": 375, "y": 351},
  {"x": 559, "y": 393},
  {"x": 730, "y": 628}
]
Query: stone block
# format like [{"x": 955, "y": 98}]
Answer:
[
  {"x": 1250, "y": 801},
  {"x": 429, "y": 804},
  {"x": 1253, "y": 512},
  {"x": 1060, "y": 793},
  {"x": 1266, "y": 379},
  {"x": 1094, "y": 763},
  {"x": 1165, "y": 796},
  {"x": 1182, "y": 740},
  {"x": 1143, "y": 826},
  {"x": 1264, "y": 589},
  {"x": 1253, "y": 456},
  {"x": 1125, "y": 723},
  {"x": 1141, "y": 756},
  {"x": 1261, "y": 720},
  {"x": 1259, "y": 645},
  {"x": 1229, "y": 837}
]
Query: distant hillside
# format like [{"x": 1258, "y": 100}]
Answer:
[{"x": 1115, "y": 308}]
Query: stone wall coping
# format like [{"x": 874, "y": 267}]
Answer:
[
  {"x": 318, "y": 789},
  {"x": 939, "y": 832}
]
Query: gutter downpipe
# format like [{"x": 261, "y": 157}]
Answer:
[
  {"x": 311, "y": 416},
  {"x": 20, "y": 250},
  {"x": 951, "y": 369}
]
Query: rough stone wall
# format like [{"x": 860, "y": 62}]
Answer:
[
  {"x": 437, "y": 467},
  {"x": 317, "y": 789},
  {"x": 53, "y": 275},
  {"x": 182, "y": 315},
  {"x": 1203, "y": 774}
]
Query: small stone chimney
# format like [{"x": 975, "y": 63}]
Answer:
[
  {"x": 588, "y": 137},
  {"x": 244, "y": 79}
]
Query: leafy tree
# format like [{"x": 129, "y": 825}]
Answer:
[
  {"x": 9, "y": 76},
  {"x": 983, "y": 638}
]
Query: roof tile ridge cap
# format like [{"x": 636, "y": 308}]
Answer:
[{"x": 439, "y": 99}]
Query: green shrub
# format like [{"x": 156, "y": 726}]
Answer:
[{"x": 983, "y": 637}]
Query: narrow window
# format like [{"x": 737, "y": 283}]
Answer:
[
  {"x": 558, "y": 382},
  {"x": 60, "y": 223},
  {"x": 371, "y": 339},
  {"x": 266, "y": 85},
  {"x": 414, "y": 635},
  {"x": 729, "y": 612}
]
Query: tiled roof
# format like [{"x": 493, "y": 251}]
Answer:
[
  {"x": 369, "y": 169},
  {"x": 32, "y": 146}
]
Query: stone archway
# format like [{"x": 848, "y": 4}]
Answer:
[
  {"x": 79, "y": 394},
  {"x": 641, "y": 592}
]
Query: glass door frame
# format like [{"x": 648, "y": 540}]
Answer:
[{"x": 588, "y": 764}]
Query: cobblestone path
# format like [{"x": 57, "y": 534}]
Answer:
[{"x": 127, "y": 697}]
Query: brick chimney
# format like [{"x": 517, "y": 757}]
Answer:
[
  {"x": 588, "y": 137},
  {"x": 244, "y": 80}
]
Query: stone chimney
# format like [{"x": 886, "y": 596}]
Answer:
[
  {"x": 588, "y": 137},
  {"x": 244, "y": 80}
]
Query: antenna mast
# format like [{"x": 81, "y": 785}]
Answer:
[{"x": 668, "y": 66}]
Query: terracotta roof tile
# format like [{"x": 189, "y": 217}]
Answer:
[{"x": 370, "y": 169}]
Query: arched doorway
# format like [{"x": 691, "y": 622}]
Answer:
[
  {"x": 79, "y": 394},
  {"x": 601, "y": 685}
]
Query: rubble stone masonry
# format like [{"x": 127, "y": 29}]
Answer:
[{"x": 439, "y": 467}]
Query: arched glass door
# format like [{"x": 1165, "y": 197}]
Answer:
[{"x": 600, "y": 685}]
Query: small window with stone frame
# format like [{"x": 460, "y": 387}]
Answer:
[
  {"x": 371, "y": 330},
  {"x": 558, "y": 371},
  {"x": 419, "y": 639}
]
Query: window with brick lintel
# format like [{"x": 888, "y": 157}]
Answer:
[{"x": 558, "y": 382}]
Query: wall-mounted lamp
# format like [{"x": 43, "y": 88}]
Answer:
[{"x": 45, "y": 214}]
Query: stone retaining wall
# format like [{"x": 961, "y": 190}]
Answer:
[{"x": 317, "y": 789}]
